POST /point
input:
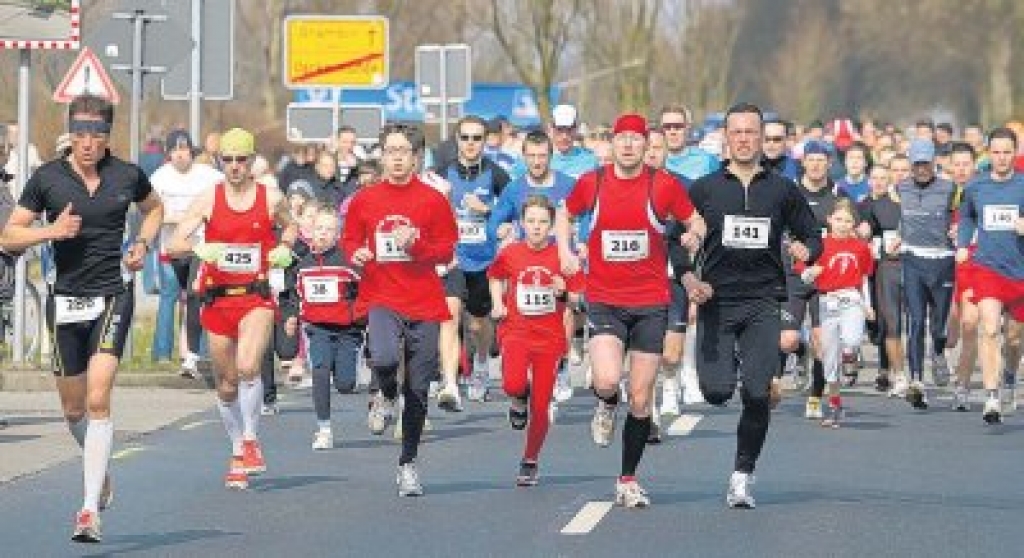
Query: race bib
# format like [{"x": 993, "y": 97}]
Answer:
[
  {"x": 472, "y": 231},
  {"x": 277, "y": 280},
  {"x": 535, "y": 301},
  {"x": 1001, "y": 217},
  {"x": 240, "y": 258},
  {"x": 388, "y": 250},
  {"x": 746, "y": 233},
  {"x": 77, "y": 309},
  {"x": 321, "y": 290},
  {"x": 624, "y": 246}
]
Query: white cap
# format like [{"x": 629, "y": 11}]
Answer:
[{"x": 563, "y": 116}]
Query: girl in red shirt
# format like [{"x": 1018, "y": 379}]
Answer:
[
  {"x": 529, "y": 295},
  {"x": 841, "y": 277}
]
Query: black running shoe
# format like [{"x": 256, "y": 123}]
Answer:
[
  {"x": 654, "y": 436},
  {"x": 882, "y": 383},
  {"x": 528, "y": 473},
  {"x": 518, "y": 418}
]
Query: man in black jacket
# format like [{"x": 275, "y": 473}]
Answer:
[{"x": 738, "y": 280}]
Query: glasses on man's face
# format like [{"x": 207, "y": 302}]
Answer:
[
  {"x": 240, "y": 159},
  {"x": 471, "y": 137},
  {"x": 674, "y": 126},
  {"x": 565, "y": 129},
  {"x": 774, "y": 139},
  {"x": 397, "y": 151}
]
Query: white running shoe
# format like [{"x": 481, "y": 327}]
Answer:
[
  {"x": 629, "y": 494},
  {"x": 993, "y": 411},
  {"x": 450, "y": 399},
  {"x": 269, "y": 409},
  {"x": 739, "y": 495},
  {"x": 87, "y": 527},
  {"x": 692, "y": 395},
  {"x": 323, "y": 440},
  {"x": 305, "y": 383},
  {"x": 575, "y": 354},
  {"x": 899, "y": 386},
  {"x": 478, "y": 383},
  {"x": 670, "y": 397},
  {"x": 602, "y": 426},
  {"x": 961, "y": 399},
  {"x": 563, "y": 387},
  {"x": 381, "y": 414},
  {"x": 434, "y": 389},
  {"x": 408, "y": 481},
  {"x": 812, "y": 409}
]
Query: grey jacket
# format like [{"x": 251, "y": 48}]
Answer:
[{"x": 927, "y": 214}]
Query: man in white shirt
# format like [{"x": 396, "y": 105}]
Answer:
[{"x": 179, "y": 181}]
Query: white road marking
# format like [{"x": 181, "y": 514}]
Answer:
[
  {"x": 587, "y": 518},
  {"x": 127, "y": 452},
  {"x": 684, "y": 425},
  {"x": 196, "y": 424}
]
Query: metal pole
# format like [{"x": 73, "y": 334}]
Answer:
[
  {"x": 138, "y": 23},
  {"x": 444, "y": 95},
  {"x": 24, "y": 98},
  {"x": 195, "y": 107}
]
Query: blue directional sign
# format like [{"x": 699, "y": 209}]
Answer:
[{"x": 401, "y": 102}]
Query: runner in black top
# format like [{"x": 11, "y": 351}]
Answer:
[
  {"x": 85, "y": 199},
  {"x": 738, "y": 279}
]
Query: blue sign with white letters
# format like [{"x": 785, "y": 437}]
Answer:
[{"x": 515, "y": 102}]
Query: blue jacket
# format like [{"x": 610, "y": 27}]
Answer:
[
  {"x": 692, "y": 163},
  {"x": 510, "y": 203}
]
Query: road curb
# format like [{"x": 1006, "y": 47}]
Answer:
[{"x": 38, "y": 380}]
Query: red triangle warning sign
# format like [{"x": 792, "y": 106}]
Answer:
[{"x": 87, "y": 75}]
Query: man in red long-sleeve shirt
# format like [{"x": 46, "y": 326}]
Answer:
[{"x": 399, "y": 230}]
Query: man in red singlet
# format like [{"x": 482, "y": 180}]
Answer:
[{"x": 238, "y": 311}]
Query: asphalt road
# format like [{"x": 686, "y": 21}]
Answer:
[{"x": 890, "y": 482}]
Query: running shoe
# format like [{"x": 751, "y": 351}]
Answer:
[
  {"x": 449, "y": 398},
  {"x": 961, "y": 399},
  {"x": 899, "y": 387},
  {"x": 518, "y": 414},
  {"x": 882, "y": 383},
  {"x": 603, "y": 424},
  {"x": 528, "y": 473},
  {"x": 575, "y": 353},
  {"x": 189, "y": 369},
  {"x": 107, "y": 494},
  {"x": 563, "y": 386},
  {"x": 552, "y": 412},
  {"x": 775, "y": 392},
  {"x": 670, "y": 397},
  {"x": 851, "y": 368},
  {"x": 812, "y": 409},
  {"x": 629, "y": 494},
  {"x": 381, "y": 414},
  {"x": 252, "y": 458},
  {"x": 832, "y": 417},
  {"x": 654, "y": 436},
  {"x": 408, "y": 481},
  {"x": 917, "y": 396},
  {"x": 434, "y": 389},
  {"x": 993, "y": 411},
  {"x": 236, "y": 479},
  {"x": 323, "y": 440},
  {"x": 739, "y": 496},
  {"x": 269, "y": 409},
  {"x": 940, "y": 370},
  {"x": 692, "y": 395},
  {"x": 478, "y": 383},
  {"x": 87, "y": 527},
  {"x": 1008, "y": 394}
]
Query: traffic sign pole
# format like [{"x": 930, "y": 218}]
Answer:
[
  {"x": 24, "y": 98},
  {"x": 195, "y": 102},
  {"x": 444, "y": 96}
]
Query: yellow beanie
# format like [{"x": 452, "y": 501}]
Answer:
[{"x": 237, "y": 141}]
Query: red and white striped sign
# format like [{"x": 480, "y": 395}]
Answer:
[{"x": 72, "y": 42}]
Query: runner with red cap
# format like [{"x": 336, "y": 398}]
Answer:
[{"x": 627, "y": 286}]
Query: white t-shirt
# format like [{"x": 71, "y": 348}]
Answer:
[{"x": 178, "y": 190}]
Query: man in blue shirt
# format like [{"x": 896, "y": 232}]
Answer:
[
  {"x": 690, "y": 162},
  {"x": 992, "y": 210}
]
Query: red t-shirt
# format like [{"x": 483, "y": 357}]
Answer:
[
  {"x": 845, "y": 263},
  {"x": 402, "y": 281},
  {"x": 627, "y": 255},
  {"x": 534, "y": 315}
]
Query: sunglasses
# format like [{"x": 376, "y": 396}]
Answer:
[
  {"x": 774, "y": 138},
  {"x": 467, "y": 137},
  {"x": 674, "y": 126},
  {"x": 234, "y": 158}
]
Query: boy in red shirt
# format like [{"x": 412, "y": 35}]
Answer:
[
  {"x": 843, "y": 268},
  {"x": 529, "y": 295},
  {"x": 398, "y": 230}
]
